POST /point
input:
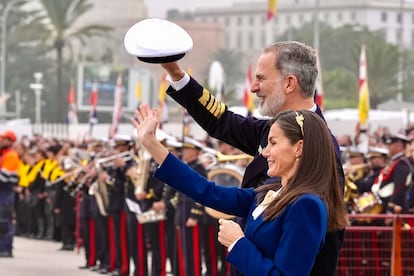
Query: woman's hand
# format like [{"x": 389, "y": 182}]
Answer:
[
  {"x": 145, "y": 122},
  {"x": 229, "y": 232}
]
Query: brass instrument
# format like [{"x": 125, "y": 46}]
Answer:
[
  {"x": 215, "y": 157},
  {"x": 353, "y": 173},
  {"x": 106, "y": 162},
  {"x": 223, "y": 173},
  {"x": 139, "y": 173},
  {"x": 99, "y": 189}
]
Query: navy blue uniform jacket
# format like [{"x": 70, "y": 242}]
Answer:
[{"x": 287, "y": 245}]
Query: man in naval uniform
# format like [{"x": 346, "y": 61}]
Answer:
[{"x": 285, "y": 79}]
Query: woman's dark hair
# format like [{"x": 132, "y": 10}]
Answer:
[{"x": 317, "y": 171}]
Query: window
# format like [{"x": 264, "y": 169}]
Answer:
[
  {"x": 353, "y": 16},
  {"x": 384, "y": 17},
  {"x": 251, "y": 21},
  {"x": 399, "y": 17}
]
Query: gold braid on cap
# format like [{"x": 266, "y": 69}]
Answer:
[{"x": 299, "y": 119}]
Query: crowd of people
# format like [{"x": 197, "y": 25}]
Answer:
[
  {"x": 99, "y": 195},
  {"x": 124, "y": 201}
]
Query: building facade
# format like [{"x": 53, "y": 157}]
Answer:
[{"x": 247, "y": 29}]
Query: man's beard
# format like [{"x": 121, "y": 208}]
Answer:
[{"x": 273, "y": 103}]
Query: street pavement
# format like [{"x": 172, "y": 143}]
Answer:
[{"x": 39, "y": 257}]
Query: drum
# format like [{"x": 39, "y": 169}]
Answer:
[
  {"x": 368, "y": 203},
  {"x": 225, "y": 175}
]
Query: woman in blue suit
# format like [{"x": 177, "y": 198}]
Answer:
[{"x": 286, "y": 222}]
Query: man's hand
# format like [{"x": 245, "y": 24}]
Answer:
[{"x": 174, "y": 70}]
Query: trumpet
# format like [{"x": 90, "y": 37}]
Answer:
[
  {"x": 106, "y": 162},
  {"x": 215, "y": 157}
]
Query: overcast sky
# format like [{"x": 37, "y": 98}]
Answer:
[{"x": 158, "y": 8}]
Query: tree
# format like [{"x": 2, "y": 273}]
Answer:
[
  {"x": 25, "y": 53},
  {"x": 60, "y": 19},
  {"x": 339, "y": 51},
  {"x": 231, "y": 62}
]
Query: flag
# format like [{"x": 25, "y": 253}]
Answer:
[
  {"x": 116, "y": 115},
  {"x": 162, "y": 95},
  {"x": 72, "y": 115},
  {"x": 93, "y": 101},
  {"x": 319, "y": 84},
  {"x": 363, "y": 104},
  {"x": 248, "y": 97},
  {"x": 271, "y": 9},
  {"x": 138, "y": 91}
]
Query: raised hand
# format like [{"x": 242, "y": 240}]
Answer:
[{"x": 145, "y": 121}]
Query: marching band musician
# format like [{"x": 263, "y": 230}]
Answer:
[
  {"x": 355, "y": 169},
  {"x": 9, "y": 162},
  {"x": 94, "y": 222},
  {"x": 376, "y": 160},
  {"x": 116, "y": 208},
  {"x": 168, "y": 203},
  {"x": 188, "y": 215},
  {"x": 390, "y": 185},
  {"x": 153, "y": 227}
]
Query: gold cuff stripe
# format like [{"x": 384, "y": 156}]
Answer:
[{"x": 215, "y": 107}]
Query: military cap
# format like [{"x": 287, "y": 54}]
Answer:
[
  {"x": 98, "y": 141},
  {"x": 377, "y": 152},
  {"x": 122, "y": 140},
  {"x": 390, "y": 138},
  {"x": 156, "y": 40},
  {"x": 355, "y": 152},
  {"x": 192, "y": 143}
]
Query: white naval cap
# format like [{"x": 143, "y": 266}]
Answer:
[{"x": 156, "y": 40}]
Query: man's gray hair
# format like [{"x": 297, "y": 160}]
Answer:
[{"x": 294, "y": 58}]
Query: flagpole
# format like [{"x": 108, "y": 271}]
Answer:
[{"x": 363, "y": 104}]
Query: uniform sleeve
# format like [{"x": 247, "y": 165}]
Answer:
[
  {"x": 303, "y": 233},
  {"x": 213, "y": 116}
]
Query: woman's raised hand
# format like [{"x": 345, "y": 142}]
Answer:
[{"x": 145, "y": 122}]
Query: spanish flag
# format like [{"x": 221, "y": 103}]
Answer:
[
  {"x": 363, "y": 105},
  {"x": 271, "y": 9}
]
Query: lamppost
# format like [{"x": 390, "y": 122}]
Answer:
[
  {"x": 37, "y": 88},
  {"x": 4, "y": 15}
]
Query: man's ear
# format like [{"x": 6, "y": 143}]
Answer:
[{"x": 291, "y": 83}]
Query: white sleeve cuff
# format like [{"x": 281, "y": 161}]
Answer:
[
  {"x": 178, "y": 85},
  {"x": 232, "y": 245}
]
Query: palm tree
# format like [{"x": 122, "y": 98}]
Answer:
[{"x": 60, "y": 17}]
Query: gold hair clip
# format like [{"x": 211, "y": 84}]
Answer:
[{"x": 299, "y": 119}]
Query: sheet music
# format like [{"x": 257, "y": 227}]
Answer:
[{"x": 133, "y": 206}]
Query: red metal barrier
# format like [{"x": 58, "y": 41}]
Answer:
[{"x": 371, "y": 249}]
